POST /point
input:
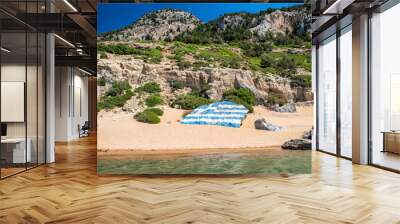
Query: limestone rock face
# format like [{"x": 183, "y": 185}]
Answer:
[
  {"x": 283, "y": 22},
  {"x": 216, "y": 80}
]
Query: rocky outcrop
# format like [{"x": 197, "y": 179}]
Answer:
[
  {"x": 288, "y": 108},
  {"x": 283, "y": 22},
  {"x": 308, "y": 134},
  {"x": 137, "y": 72},
  {"x": 262, "y": 124},
  {"x": 297, "y": 144},
  {"x": 236, "y": 20},
  {"x": 158, "y": 25}
]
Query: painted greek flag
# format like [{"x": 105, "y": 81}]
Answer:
[{"x": 224, "y": 113}]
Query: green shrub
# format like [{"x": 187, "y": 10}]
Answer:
[
  {"x": 150, "y": 87},
  {"x": 301, "y": 80},
  {"x": 128, "y": 94},
  {"x": 231, "y": 63},
  {"x": 153, "y": 100},
  {"x": 198, "y": 64},
  {"x": 243, "y": 93},
  {"x": 266, "y": 61},
  {"x": 151, "y": 55},
  {"x": 101, "y": 82},
  {"x": 190, "y": 101},
  {"x": 103, "y": 55},
  {"x": 238, "y": 100},
  {"x": 157, "y": 111},
  {"x": 184, "y": 65},
  {"x": 175, "y": 85},
  {"x": 116, "y": 96},
  {"x": 110, "y": 102},
  {"x": 118, "y": 88},
  {"x": 147, "y": 117},
  {"x": 255, "y": 49},
  {"x": 277, "y": 98},
  {"x": 287, "y": 65}
]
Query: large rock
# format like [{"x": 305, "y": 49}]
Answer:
[
  {"x": 288, "y": 108},
  {"x": 262, "y": 124},
  {"x": 308, "y": 134},
  {"x": 297, "y": 144}
]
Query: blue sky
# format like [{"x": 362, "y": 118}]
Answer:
[{"x": 112, "y": 16}]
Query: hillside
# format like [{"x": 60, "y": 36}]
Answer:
[
  {"x": 171, "y": 24},
  {"x": 157, "y": 25},
  {"x": 273, "y": 23},
  {"x": 267, "y": 53}
]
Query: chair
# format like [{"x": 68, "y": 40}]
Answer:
[{"x": 84, "y": 130}]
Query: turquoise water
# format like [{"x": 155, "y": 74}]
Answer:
[{"x": 231, "y": 163}]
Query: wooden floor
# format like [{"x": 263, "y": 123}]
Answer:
[
  {"x": 387, "y": 159},
  {"x": 69, "y": 191}
]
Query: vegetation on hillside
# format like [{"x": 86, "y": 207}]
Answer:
[
  {"x": 241, "y": 96},
  {"x": 276, "y": 98},
  {"x": 147, "y": 116},
  {"x": 150, "y": 55},
  {"x": 116, "y": 96},
  {"x": 150, "y": 87},
  {"x": 153, "y": 100},
  {"x": 190, "y": 101}
]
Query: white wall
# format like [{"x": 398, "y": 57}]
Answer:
[
  {"x": 62, "y": 82},
  {"x": 346, "y": 75},
  {"x": 71, "y": 102}
]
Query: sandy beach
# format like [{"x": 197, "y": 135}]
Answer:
[{"x": 120, "y": 131}]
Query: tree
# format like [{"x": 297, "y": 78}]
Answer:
[{"x": 266, "y": 60}]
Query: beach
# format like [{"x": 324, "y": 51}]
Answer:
[{"x": 119, "y": 132}]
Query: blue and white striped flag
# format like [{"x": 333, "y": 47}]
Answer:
[{"x": 224, "y": 113}]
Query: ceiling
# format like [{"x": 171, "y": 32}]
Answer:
[{"x": 74, "y": 22}]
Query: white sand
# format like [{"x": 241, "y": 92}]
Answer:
[{"x": 121, "y": 131}]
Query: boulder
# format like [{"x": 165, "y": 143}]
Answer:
[
  {"x": 262, "y": 124},
  {"x": 308, "y": 134},
  {"x": 288, "y": 108},
  {"x": 297, "y": 144}
]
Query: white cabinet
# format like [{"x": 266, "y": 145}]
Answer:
[{"x": 19, "y": 155}]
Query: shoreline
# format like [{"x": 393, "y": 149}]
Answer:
[
  {"x": 188, "y": 152},
  {"x": 119, "y": 132}
]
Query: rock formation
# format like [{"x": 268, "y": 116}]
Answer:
[{"x": 262, "y": 124}]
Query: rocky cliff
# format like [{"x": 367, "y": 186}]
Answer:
[
  {"x": 157, "y": 25},
  {"x": 217, "y": 80},
  {"x": 167, "y": 24},
  {"x": 295, "y": 21}
]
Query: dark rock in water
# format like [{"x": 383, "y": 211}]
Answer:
[
  {"x": 308, "y": 134},
  {"x": 288, "y": 108},
  {"x": 297, "y": 144},
  {"x": 262, "y": 124}
]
